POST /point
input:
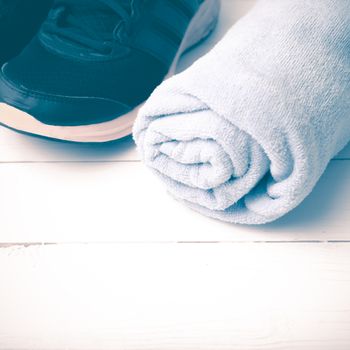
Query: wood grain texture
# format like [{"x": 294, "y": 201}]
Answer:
[
  {"x": 142, "y": 272},
  {"x": 112, "y": 202},
  {"x": 176, "y": 297}
]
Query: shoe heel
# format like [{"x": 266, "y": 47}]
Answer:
[{"x": 202, "y": 24}]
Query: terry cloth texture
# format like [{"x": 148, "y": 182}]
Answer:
[{"x": 246, "y": 132}]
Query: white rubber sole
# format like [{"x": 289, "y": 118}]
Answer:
[{"x": 200, "y": 27}]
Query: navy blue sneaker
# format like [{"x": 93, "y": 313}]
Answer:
[
  {"x": 94, "y": 62},
  {"x": 19, "y": 22}
]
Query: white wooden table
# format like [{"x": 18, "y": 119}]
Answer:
[{"x": 95, "y": 255}]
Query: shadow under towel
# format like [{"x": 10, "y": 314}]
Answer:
[{"x": 245, "y": 133}]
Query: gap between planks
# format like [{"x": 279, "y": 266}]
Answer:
[{"x": 41, "y": 244}]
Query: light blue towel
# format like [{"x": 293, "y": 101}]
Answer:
[{"x": 246, "y": 132}]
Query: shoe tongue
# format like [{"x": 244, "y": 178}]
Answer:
[
  {"x": 91, "y": 18},
  {"x": 91, "y": 14}
]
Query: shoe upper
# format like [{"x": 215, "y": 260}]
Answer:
[
  {"x": 19, "y": 22},
  {"x": 94, "y": 60}
]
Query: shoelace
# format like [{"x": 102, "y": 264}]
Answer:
[{"x": 79, "y": 32}]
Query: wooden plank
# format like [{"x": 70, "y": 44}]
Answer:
[
  {"x": 16, "y": 147},
  {"x": 78, "y": 202},
  {"x": 176, "y": 296}
]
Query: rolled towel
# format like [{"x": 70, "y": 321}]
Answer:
[{"x": 245, "y": 133}]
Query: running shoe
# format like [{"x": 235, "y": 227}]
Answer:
[{"x": 94, "y": 62}]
